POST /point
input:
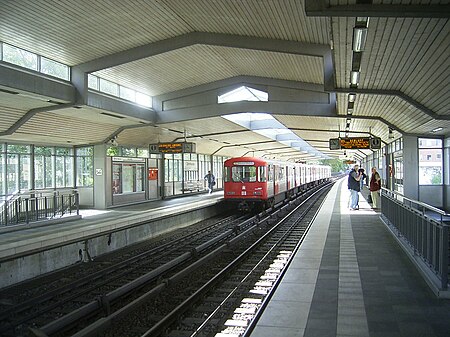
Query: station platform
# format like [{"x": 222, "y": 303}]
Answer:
[{"x": 350, "y": 278}]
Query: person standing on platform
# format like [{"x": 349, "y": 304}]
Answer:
[
  {"x": 211, "y": 181},
  {"x": 363, "y": 176},
  {"x": 375, "y": 187},
  {"x": 354, "y": 187}
]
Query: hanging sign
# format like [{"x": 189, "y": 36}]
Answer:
[
  {"x": 352, "y": 143},
  {"x": 182, "y": 147}
]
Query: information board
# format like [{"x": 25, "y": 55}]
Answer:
[
  {"x": 355, "y": 143},
  {"x": 182, "y": 147},
  {"x": 352, "y": 143}
]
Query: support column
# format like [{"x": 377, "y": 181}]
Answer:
[{"x": 101, "y": 169}]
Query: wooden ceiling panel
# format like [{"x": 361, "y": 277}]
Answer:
[{"x": 200, "y": 64}]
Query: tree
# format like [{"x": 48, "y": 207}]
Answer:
[{"x": 337, "y": 165}]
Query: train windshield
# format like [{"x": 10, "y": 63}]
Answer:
[{"x": 248, "y": 174}]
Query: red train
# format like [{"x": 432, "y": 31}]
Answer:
[{"x": 254, "y": 182}]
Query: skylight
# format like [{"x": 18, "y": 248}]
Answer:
[
  {"x": 264, "y": 124},
  {"x": 243, "y": 93}
]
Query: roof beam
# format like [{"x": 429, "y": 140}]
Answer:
[
  {"x": 323, "y": 8},
  {"x": 400, "y": 95},
  {"x": 213, "y": 39},
  {"x": 217, "y": 110}
]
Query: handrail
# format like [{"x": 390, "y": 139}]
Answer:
[
  {"x": 424, "y": 237},
  {"x": 417, "y": 202},
  {"x": 37, "y": 205}
]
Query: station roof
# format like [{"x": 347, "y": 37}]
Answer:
[{"x": 185, "y": 53}]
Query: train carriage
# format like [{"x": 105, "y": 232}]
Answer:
[{"x": 252, "y": 182}]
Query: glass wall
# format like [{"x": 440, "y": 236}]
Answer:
[
  {"x": 26, "y": 167},
  {"x": 85, "y": 166},
  {"x": 430, "y": 161},
  {"x": 18, "y": 169},
  {"x": 192, "y": 168}
]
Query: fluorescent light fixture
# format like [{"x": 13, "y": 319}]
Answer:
[
  {"x": 359, "y": 38},
  {"x": 351, "y": 97},
  {"x": 354, "y": 77},
  {"x": 437, "y": 129},
  {"x": 362, "y": 20},
  {"x": 391, "y": 133}
]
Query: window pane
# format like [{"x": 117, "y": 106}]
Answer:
[
  {"x": 109, "y": 87},
  {"x": 25, "y": 171},
  {"x": 116, "y": 185},
  {"x": 39, "y": 172},
  {"x": 128, "y": 151},
  {"x": 127, "y": 178},
  {"x": 20, "y": 57},
  {"x": 430, "y": 143},
  {"x": 43, "y": 151},
  {"x": 18, "y": 148},
  {"x": 85, "y": 151},
  {"x": 68, "y": 172},
  {"x": 49, "y": 169},
  {"x": 59, "y": 172},
  {"x": 13, "y": 174},
  {"x": 63, "y": 151},
  {"x": 85, "y": 171},
  {"x": 128, "y": 94},
  {"x": 93, "y": 82},
  {"x": 2, "y": 170},
  {"x": 54, "y": 68},
  {"x": 143, "y": 99},
  {"x": 143, "y": 153},
  {"x": 139, "y": 178},
  {"x": 430, "y": 166}
]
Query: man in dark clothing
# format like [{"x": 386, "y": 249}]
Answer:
[
  {"x": 211, "y": 181},
  {"x": 354, "y": 187}
]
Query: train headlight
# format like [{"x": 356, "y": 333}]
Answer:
[{"x": 257, "y": 193}]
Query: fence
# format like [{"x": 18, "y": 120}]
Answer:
[
  {"x": 422, "y": 227},
  {"x": 37, "y": 205}
]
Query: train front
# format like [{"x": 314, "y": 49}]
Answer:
[{"x": 245, "y": 182}]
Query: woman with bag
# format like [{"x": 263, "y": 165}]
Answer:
[{"x": 375, "y": 187}]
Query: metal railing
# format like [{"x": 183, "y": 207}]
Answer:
[
  {"x": 38, "y": 205},
  {"x": 422, "y": 227}
]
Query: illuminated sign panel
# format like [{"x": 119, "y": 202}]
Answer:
[
  {"x": 244, "y": 163},
  {"x": 172, "y": 148},
  {"x": 352, "y": 143},
  {"x": 355, "y": 143}
]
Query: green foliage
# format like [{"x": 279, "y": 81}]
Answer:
[
  {"x": 112, "y": 151},
  {"x": 436, "y": 179},
  {"x": 337, "y": 165}
]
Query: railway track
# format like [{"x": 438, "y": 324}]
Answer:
[
  {"x": 161, "y": 277},
  {"x": 105, "y": 279},
  {"x": 199, "y": 299}
]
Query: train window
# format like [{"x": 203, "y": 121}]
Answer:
[
  {"x": 227, "y": 174},
  {"x": 270, "y": 175},
  {"x": 262, "y": 173},
  {"x": 243, "y": 174},
  {"x": 281, "y": 173}
]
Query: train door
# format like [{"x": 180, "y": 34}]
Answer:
[{"x": 270, "y": 180}]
